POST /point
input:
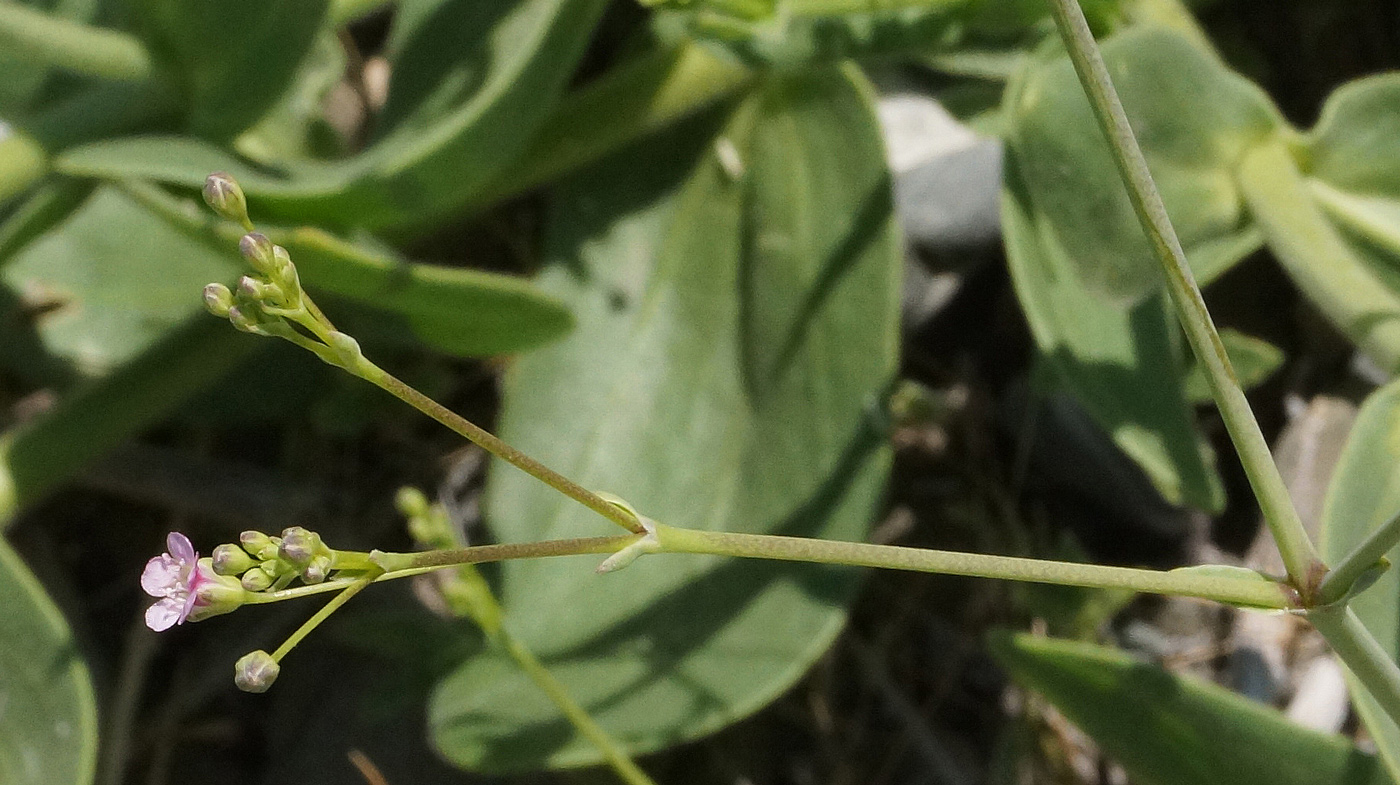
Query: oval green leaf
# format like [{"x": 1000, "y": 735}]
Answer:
[
  {"x": 1122, "y": 364},
  {"x": 1193, "y": 118},
  {"x": 737, "y": 326},
  {"x": 1173, "y": 730},
  {"x": 48, "y": 713},
  {"x": 474, "y": 83}
]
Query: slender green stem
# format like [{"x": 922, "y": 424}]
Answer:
[
  {"x": 1363, "y": 557},
  {"x": 577, "y": 716},
  {"x": 488, "y": 441},
  {"x": 91, "y": 51},
  {"x": 1361, "y": 653},
  {"x": 1300, "y": 557},
  {"x": 1236, "y": 590},
  {"x": 312, "y": 623},
  {"x": 1243, "y": 588}
]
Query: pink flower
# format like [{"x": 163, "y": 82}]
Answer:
[{"x": 187, "y": 586}]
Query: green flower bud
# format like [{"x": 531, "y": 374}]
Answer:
[
  {"x": 411, "y": 502},
  {"x": 255, "y": 671},
  {"x": 317, "y": 570},
  {"x": 253, "y": 542},
  {"x": 230, "y": 559},
  {"x": 246, "y": 319},
  {"x": 222, "y": 194},
  {"x": 256, "y": 579},
  {"x": 218, "y": 299},
  {"x": 251, "y": 290},
  {"x": 259, "y": 251},
  {"x": 299, "y": 545}
]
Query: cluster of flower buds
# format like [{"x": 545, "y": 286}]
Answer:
[
  {"x": 265, "y": 562},
  {"x": 271, "y": 302}
]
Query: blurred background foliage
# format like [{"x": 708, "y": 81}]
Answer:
[{"x": 818, "y": 267}]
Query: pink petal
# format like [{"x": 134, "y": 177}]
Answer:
[
  {"x": 161, "y": 576},
  {"x": 178, "y": 545},
  {"x": 164, "y": 614}
]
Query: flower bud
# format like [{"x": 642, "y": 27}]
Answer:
[
  {"x": 218, "y": 299},
  {"x": 299, "y": 545},
  {"x": 256, "y": 579},
  {"x": 215, "y": 594},
  {"x": 230, "y": 559},
  {"x": 254, "y": 541},
  {"x": 317, "y": 570},
  {"x": 255, "y": 671},
  {"x": 259, "y": 251},
  {"x": 411, "y": 502},
  {"x": 245, "y": 319},
  {"x": 225, "y": 197}
]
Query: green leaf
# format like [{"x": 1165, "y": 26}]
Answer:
[
  {"x": 464, "y": 312},
  {"x": 474, "y": 82},
  {"x": 1364, "y": 493},
  {"x": 48, "y": 714},
  {"x": 1353, "y": 146},
  {"x": 1172, "y": 730},
  {"x": 111, "y": 281},
  {"x": 734, "y": 334},
  {"x": 233, "y": 60},
  {"x": 1193, "y": 118},
  {"x": 455, "y": 310},
  {"x": 21, "y": 78},
  {"x": 1122, "y": 364},
  {"x": 1253, "y": 359}
]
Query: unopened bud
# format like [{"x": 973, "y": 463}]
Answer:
[
  {"x": 317, "y": 570},
  {"x": 218, "y": 299},
  {"x": 259, "y": 251},
  {"x": 230, "y": 559},
  {"x": 254, "y": 541},
  {"x": 256, "y": 579},
  {"x": 222, "y": 194},
  {"x": 299, "y": 545},
  {"x": 245, "y": 319},
  {"x": 255, "y": 671},
  {"x": 411, "y": 502}
]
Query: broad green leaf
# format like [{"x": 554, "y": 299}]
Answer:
[
  {"x": 48, "y": 714},
  {"x": 737, "y": 325},
  {"x": 1365, "y": 493},
  {"x": 46, "y": 207},
  {"x": 1122, "y": 364},
  {"x": 465, "y": 312},
  {"x": 453, "y": 309},
  {"x": 1353, "y": 146},
  {"x": 475, "y": 81},
  {"x": 1193, "y": 118},
  {"x": 1174, "y": 730},
  {"x": 232, "y": 60},
  {"x": 110, "y": 281},
  {"x": 296, "y": 128},
  {"x": 20, "y": 77},
  {"x": 1253, "y": 359}
]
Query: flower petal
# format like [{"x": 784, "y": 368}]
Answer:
[
  {"x": 161, "y": 576},
  {"x": 179, "y": 546},
  {"x": 164, "y": 614}
]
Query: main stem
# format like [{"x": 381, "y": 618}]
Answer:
[
  {"x": 1305, "y": 567},
  {"x": 1235, "y": 589}
]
